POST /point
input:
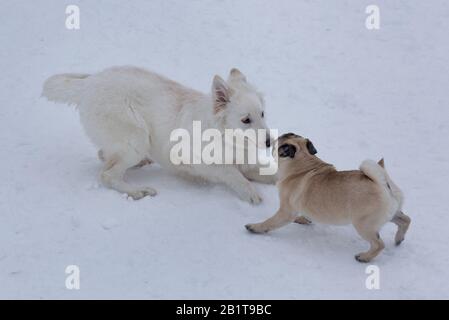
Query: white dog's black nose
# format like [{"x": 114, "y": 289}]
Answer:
[{"x": 268, "y": 142}]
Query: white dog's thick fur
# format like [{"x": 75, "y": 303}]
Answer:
[{"x": 129, "y": 114}]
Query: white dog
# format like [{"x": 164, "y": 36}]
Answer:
[{"x": 129, "y": 114}]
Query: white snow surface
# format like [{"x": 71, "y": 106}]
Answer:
[{"x": 355, "y": 93}]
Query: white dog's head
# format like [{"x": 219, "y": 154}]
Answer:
[{"x": 238, "y": 105}]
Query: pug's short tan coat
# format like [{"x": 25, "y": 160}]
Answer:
[{"x": 367, "y": 198}]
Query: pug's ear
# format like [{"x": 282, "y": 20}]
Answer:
[
  {"x": 311, "y": 147},
  {"x": 287, "y": 150}
]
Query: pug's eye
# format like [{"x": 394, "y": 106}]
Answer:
[
  {"x": 246, "y": 120},
  {"x": 263, "y": 114}
]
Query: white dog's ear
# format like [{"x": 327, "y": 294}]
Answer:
[
  {"x": 221, "y": 94},
  {"x": 235, "y": 74}
]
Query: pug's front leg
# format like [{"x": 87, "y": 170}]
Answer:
[{"x": 280, "y": 219}]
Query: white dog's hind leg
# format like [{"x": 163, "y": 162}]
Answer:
[
  {"x": 142, "y": 163},
  {"x": 113, "y": 174}
]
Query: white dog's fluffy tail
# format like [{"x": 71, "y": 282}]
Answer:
[
  {"x": 65, "y": 88},
  {"x": 377, "y": 173}
]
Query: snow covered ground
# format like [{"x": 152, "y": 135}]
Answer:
[{"x": 356, "y": 93}]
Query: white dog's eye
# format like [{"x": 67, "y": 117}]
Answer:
[
  {"x": 263, "y": 114},
  {"x": 246, "y": 120}
]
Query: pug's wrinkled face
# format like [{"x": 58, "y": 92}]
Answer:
[{"x": 292, "y": 146}]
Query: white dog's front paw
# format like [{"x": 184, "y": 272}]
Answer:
[
  {"x": 139, "y": 194},
  {"x": 252, "y": 197},
  {"x": 256, "y": 199}
]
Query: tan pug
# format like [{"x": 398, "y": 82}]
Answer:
[{"x": 367, "y": 198}]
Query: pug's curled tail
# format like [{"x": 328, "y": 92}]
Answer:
[{"x": 377, "y": 173}]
